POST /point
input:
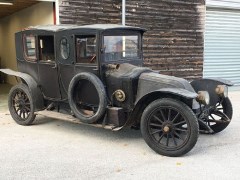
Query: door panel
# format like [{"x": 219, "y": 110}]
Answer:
[
  {"x": 66, "y": 73},
  {"x": 48, "y": 77},
  {"x": 47, "y": 68}
]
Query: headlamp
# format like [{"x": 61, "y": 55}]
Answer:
[
  {"x": 203, "y": 97},
  {"x": 222, "y": 90}
]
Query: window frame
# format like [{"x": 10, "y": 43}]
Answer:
[
  {"x": 123, "y": 33},
  {"x": 54, "y": 51},
  {"x": 26, "y": 57},
  {"x": 60, "y": 48},
  {"x": 96, "y": 50}
]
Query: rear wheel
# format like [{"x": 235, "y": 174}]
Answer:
[
  {"x": 169, "y": 127},
  {"x": 20, "y": 105}
]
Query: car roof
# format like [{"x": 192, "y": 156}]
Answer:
[{"x": 63, "y": 27}]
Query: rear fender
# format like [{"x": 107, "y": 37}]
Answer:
[{"x": 35, "y": 91}]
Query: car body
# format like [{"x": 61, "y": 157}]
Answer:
[{"x": 95, "y": 73}]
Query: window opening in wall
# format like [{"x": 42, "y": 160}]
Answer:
[
  {"x": 46, "y": 48},
  {"x": 86, "y": 49}
]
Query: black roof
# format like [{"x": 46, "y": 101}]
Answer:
[{"x": 62, "y": 27}]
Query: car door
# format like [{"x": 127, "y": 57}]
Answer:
[
  {"x": 47, "y": 67},
  {"x": 65, "y": 56}
]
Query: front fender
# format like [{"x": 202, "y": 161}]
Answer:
[
  {"x": 210, "y": 84},
  {"x": 33, "y": 87},
  {"x": 213, "y": 80},
  {"x": 174, "y": 91},
  {"x": 142, "y": 102}
]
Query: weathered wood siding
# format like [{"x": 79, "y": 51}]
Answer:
[{"x": 173, "y": 43}]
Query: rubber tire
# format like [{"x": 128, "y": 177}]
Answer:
[
  {"x": 101, "y": 93},
  {"x": 186, "y": 112},
  {"x": 15, "y": 117},
  {"x": 228, "y": 110}
]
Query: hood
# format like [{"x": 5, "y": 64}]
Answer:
[
  {"x": 126, "y": 70},
  {"x": 159, "y": 81}
]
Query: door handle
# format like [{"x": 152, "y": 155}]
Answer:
[{"x": 55, "y": 66}]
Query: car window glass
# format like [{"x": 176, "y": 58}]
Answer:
[
  {"x": 86, "y": 49},
  {"x": 64, "y": 48},
  {"x": 46, "y": 48},
  {"x": 30, "y": 48},
  {"x": 121, "y": 47}
]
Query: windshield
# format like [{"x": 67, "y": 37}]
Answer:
[{"x": 121, "y": 47}]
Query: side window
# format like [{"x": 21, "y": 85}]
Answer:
[
  {"x": 46, "y": 48},
  {"x": 30, "y": 47},
  {"x": 64, "y": 48},
  {"x": 86, "y": 49}
]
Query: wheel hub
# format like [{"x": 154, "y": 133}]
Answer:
[
  {"x": 21, "y": 103},
  {"x": 166, "y": 129}
]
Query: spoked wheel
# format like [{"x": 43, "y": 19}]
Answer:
[
  {"x": 169, "y": 127},
  {"x": 220, "y": 115},
  {"x": 21, "y": 105}
]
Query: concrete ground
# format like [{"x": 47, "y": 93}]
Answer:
[{"x": 57, "y": 149}]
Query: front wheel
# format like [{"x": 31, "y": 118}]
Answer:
[
  {"x": 169, "y": 127},
  {"x": 217, "y": 119},
  {"x": 20, "y": 104}
]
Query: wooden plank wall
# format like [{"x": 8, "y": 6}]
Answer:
[{"x": 173, "y": 43}]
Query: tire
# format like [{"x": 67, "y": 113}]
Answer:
[
  {"x": 20, "y": 104},
  {"x": 169, "y": 127},
  {"x": 226, "y": 109},
  {"x": 73, "y": 94}
]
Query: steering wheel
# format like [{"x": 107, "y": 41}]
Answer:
[{"x": 92, "y": 60}]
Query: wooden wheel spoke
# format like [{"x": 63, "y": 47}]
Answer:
[
  {"x": 155, "y": 125},
  {"x": 212, "y": 117},
  {"x": 169, "y": 114},
  {"x": 27, "y": 108},
  {"x": 157, "y": 131},
  {"x": 160, "y": 138},
  {"x": 174, "y": 119},
  {"x": 179, "y": 129},
  {"x": 155, "y": 117},
  {"x": 163, "y": 116},
  {"x": 167, "y": 142},
  {"x": 178, "y": 135},
  {"x": 17, "y": 110},
  {"x": 174, "y": 140},
  {"x": 180, "y": 123},
  {"x": 21, "y": 112}
]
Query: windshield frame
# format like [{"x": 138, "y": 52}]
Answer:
[{"x": 123, "y": 33}]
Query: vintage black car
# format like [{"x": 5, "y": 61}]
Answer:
[{"x": 95, "y": 74}]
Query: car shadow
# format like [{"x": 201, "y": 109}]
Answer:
[{"x": 80, "y": 128}]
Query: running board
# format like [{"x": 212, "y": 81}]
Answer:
[{"x": 70, "y": 118}]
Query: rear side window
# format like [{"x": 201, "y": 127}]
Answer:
[
  {"x": 46, "y": 48},
  {"x": 86, "y": 49},
  {"x": 30, "y": 47}
]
